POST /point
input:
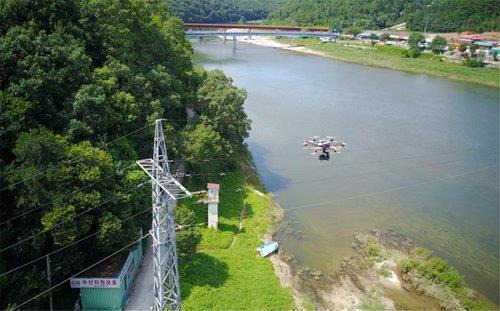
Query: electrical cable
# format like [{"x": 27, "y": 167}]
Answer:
[
  {"x": 388, "y": 190},
  {"x": 360, "y": 175},
  {"x": 81, "y": 271},
  {"x": 61, "y": 222},
  {"x": 192, "y": 173},
  {"x": 72, "y": 160},
  {"x": 64, "y": 196},
  {"x": 71, "y": 244}
]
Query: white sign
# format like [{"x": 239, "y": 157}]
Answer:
[{"x": 94, "y": 283}]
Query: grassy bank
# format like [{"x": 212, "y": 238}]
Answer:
[
  {"x": 226, "y": 272},
  {"x": 391, "y": 57}
]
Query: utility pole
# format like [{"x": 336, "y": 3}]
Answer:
[
  {"x": 49, "y": 279},
  {"x": 165, "y": 191}
]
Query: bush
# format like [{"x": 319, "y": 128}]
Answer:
[
  {"x": 462, "y": 48},
  {"x": 411, "y": 53},
  {"x": 385, "y": 36},
  {"x": 415, "y": 39},
  {"x": 474, "y": 62},
  {"x": 438, "y": 272},
  {"x": 438, "y": 45},
  {"x": 373, "y": 250},
  {"x": 354, "y": 30}
]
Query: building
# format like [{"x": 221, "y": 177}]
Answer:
[
  {"x": 213, "y": 205},
  {"x": 108, "y": 285},
  {"x": 469, "y": 38},
  {"x": 368, "y": 34},
  {"x": 486, "y": 46}
]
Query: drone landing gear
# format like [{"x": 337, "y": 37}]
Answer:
[{"x": 324, "y": 157}]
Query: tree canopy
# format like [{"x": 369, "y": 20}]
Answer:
[
  {"x": 222, "y": 11},
  {"x": 420, "y": 15},
  {"x": 453, "y": 15},
  {"x": 80, "y": 84}
]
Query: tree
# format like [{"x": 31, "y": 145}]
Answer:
[
  {"x": 354, "y": 30},
  {"x": 438, "y": 45},
  {"x": 463, "y": 47},
  {"x": 385, "y": 37},
  {"x": 473, "y": 48},
  {"x": 373, "y": 38},
  {"x": 242, "y": 20},
  {"x": 75, "y": 75},
  {"x": 415, "y": 40},
  {"x": 452, "y": 15},
  {"x": 200, "y": 143},
  {"x": 220, "y": 105}
]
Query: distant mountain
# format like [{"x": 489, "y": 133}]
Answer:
[
  {"x": 420, "y": 15},
  {"x": 222, "y": 11}
]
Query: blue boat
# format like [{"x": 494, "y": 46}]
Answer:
[{"x": 268, "y": 248}]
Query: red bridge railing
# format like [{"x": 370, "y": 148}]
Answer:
[{"x": 200, "y": 26}]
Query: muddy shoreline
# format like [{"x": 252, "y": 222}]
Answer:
[{"x": 372, "y": 278}]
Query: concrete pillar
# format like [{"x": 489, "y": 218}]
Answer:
[{"x": 213, "y": 205}]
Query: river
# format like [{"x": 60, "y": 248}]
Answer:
[{"x": 422, "y": 155}]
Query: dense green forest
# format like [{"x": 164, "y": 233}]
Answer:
[
  {"x": 420, "y": 15},
  {"x": 222, "y": 11},
  {"x": 453, "y": 15},
  {"x": 81, "y": 83}
]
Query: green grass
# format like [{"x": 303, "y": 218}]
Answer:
[
  {"x": 440, "y": 272},
  {"x": 228, "y": 277},
  {"x": 391, "y": 57}
]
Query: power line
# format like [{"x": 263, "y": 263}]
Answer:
[
  {"x": 71, "y": 244},
  {"x": 61, "y": 222},
  {"x": 392, "y": 146},
  {"x": 102, "y": 146},
  {"x": 72, "y": 160},
  {"x": 192, "y": 173},
  {"x": 89, "y": 267},
  {"x": 356, "y": 175},
  {"x": 389, "y": 190},
  {"x": 64, "y": 196}
]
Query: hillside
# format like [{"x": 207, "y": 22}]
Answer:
[
  {"x": 434, "y": 16},
  {"x": 222, "y": 11}
]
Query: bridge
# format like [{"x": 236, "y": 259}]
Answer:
[
  {"x": 201, "y": 30},
  {"x": 234, "y": 34},
  {"x": 203, "y": 26}
]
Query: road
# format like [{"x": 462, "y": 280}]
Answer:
[{"x": 142, "y": 295}]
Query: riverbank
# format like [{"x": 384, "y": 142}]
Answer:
[
  {"x": 226, "y": 273},
  {"x": 388, "y": 272},
  {"x": 384, "y": 57}
]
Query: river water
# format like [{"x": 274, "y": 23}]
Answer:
[{"x": 422, "y": 155}]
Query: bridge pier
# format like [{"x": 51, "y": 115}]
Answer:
[{"x": 234, "y": 42}]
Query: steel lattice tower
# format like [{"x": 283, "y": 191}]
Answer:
[{"x": 166, "y": 190}]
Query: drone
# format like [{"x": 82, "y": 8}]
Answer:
[{"x": 325, "y": 145}]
